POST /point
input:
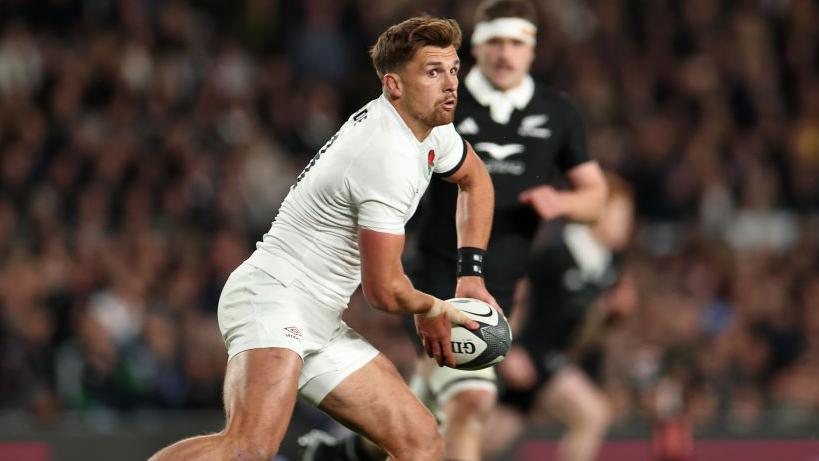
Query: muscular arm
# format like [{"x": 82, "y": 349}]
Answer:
[
  {"x": 583, "y": 203},
  {"x": 385, "y": 285},
  {"x": 473, "y": 219},
  {"x": 387, "y": 288},
  {"x": 476, "y": 202}
]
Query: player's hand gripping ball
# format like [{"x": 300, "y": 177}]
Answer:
[{"x": 484, "y": 347}]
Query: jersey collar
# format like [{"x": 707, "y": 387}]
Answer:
[
  {"x": 401, "y": 123},
  {"x": 500, "y": 103}
]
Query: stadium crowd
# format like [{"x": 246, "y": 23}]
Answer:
[{"x": 145, "y": 146}]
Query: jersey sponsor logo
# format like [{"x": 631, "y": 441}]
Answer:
[
  {"x": 500, "y": 151},
  {"x": 511, "y": 167},
  {"x": 532, "y": 126},
  {"x": 468, "y": 126}
]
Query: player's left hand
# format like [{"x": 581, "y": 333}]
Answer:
[
  {"x": 474, "y": 287},
  {"x": 546, "y": 200}
]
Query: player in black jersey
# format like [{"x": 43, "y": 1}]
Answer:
[
  {"x": 527, "y": 135},
  {"x": 551, "y": 368}
]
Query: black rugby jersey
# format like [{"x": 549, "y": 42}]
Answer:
[
  {"x": 566, "y": 279},
  {"x": 543, "y": 140}
]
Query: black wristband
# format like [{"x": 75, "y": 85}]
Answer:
[{"x": 470, "y": 261}]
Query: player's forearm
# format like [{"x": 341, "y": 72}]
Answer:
[
  {"x": 398, "y": 296},
  {"x": 476, "y": 202},
  {"x": 585, "y": 205},
  {"x": 412, "y": 301}
]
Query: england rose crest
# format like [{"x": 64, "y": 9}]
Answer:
[{"x": 430, "y": 160}]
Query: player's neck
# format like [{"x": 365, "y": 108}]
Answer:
[{"x": 419, "y": 129}]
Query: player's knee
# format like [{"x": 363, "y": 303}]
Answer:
[
  {"x": 597, "y": 415},
  {"x": 422, "y": 442},
  {"x": 605, "y": 416},
  {"x": 473, "y": 406},
  {"x": 435, "y": 449},
  {"x": 250, "y": 446},
  {"x": 431, "y": 449}
]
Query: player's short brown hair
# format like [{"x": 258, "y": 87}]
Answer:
[
  {"x": 397, "y": 45},
  {"x": 494, "y": 9}
]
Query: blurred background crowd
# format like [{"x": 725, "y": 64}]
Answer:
[{"x": 146, "y": 145}]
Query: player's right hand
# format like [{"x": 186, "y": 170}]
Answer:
[
  {"x": 546, "y": 201},
  {"x": 435, "y": 329},
  {"x": 475, "y": 287}
]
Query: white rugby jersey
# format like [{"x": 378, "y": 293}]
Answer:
[{"x": 371, "y": 173}]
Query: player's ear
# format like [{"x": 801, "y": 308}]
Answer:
[{"x": 392, "y": 85}]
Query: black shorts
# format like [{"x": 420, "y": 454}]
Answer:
[{"x": 547, "y": 366}]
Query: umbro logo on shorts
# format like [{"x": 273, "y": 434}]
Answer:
[{"x": 293, "y": 332}]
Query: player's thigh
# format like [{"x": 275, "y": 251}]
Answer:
[
  {"x": 260, "y": 392},
  {"x": 572, "y": 397},
  {"x": 375, "y": 401}
]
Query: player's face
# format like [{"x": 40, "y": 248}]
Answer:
[
  {"x": 430, "y": 85},
  {"x": 504, "y": 61}
]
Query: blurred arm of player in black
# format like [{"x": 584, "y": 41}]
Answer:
[
  {"x": 583, "y": 203},
  {"x": 573, "y": 295},
  {"x": 607, "y": 306}
]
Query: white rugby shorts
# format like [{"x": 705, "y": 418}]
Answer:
[{"x": 258, "y": 310}]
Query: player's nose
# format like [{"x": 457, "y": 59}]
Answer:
[{"x": 451, "y": 82}]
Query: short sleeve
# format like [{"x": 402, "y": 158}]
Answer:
[
  {"x": 450, "y": 150},
  {"x": 381, "y": 194},
  {"x": 573, "y": 152}
]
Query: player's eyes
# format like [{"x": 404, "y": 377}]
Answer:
[
  {"x": 432, "y": 73},
  {"x": 454, "y": 70}
]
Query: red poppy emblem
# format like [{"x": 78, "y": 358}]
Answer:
[{"x": 430, "y": 160}]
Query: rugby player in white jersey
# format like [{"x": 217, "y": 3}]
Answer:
[
  {"x": 343, "y": 224},
  {"x": 528, "y": 135}
]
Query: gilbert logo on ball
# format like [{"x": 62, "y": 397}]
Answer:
[{"x": 485, "y": 346}]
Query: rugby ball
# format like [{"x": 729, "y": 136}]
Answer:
[{"x": 484, "y": 347}]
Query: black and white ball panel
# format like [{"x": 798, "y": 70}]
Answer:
[{"x": 485, "y": 346}]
